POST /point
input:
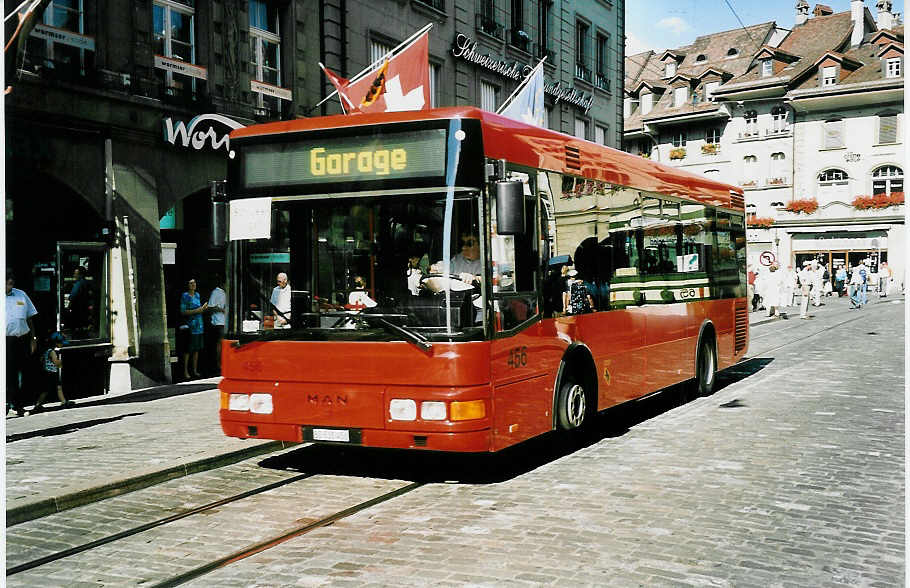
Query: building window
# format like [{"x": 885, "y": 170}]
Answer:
[
  {"x": 750, "y": 170},
  {"x": 59, "y": 57},
  {"x": 378, "y": 50},
  {"x": 626, "y": 107},
  {"x": 887, "y": 128},
  {"x": 709, "y": 90},
  {"x": 679, "y": 139},
  {"x": 489, "y": 96},
  {"x": 581, "y": 128},
  {"x": 701, "y": 57},
  {"x": 647, "y": 102},
  {"x": 834, "y": 134},
  {"x": 829, "y": 75},
  {"x": 434, "y": 84},
  {"x": 732, "y": 52},
  {"x": 887, "y": 179},
  {"x": 712, "y": 135},
  {"x": 600, "y": 134},
  {"x": 778, "y": 169},
  {"x": 893, "y": 67},
  {"x": 265, "y": 52},
  {"x": 832, "y": 175},
  {"x": 680, "y": 95},
  {"x": 582, "y": 52},
  {"x": 174, "y": 36},
  {"x": 518, "y": 37},
  {"x": 779, "y": 119},
  {"x": 767, "y": 68},
  {"x": 670, "y": 69},
  {"x": 603, "y": 53},
  {"x": 751, "y": 119},
  {"x": 543, "y": 25}
]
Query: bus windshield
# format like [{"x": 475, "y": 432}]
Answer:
[{"x": 378, "y": 267}]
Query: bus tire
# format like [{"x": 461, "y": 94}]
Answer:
[
  {"x": 705, "y": 368},
  {"x": 571, "y": 405}
]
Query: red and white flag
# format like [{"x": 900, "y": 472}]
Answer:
[
  {"x": 400, "y": 82},
  {"x": 341, "y": 85}
]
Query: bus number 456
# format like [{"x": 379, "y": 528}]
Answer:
[{"x": 518, "y": 356}]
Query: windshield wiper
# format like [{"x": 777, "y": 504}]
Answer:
[
  {"x": 412, "y": 336},
  {"x": 268, "y": 335}
]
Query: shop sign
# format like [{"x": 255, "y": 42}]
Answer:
[
  {"x": 63, "y": 37},
  {"x": 466, "y": 48},
  {"x": 179, "y": 66},
  {"x": 270, "y": 90},
  {"x": 852, "y": 157},
  {"x": 200, "y": 133}
]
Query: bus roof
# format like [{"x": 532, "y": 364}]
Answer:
[{"x": 524, "y": 144}]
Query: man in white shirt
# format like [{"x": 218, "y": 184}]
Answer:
[
  {"x": 217, "y": 307},
  {"x": 21, "y": 342},
  {"x": 281, "y": 300}
]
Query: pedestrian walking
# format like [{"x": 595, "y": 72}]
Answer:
[
  {"x": 817, "y": 283},
  {"x": 217, "y": 305},
  {"x": 50, "y": 372},
  {"x": 864, "y": 282},
  {"x": 806, "y": 277},
  {"x": 884, "y": 279},
  {"x": 855, "y": 282},
  {"x": 750, "y": 288},
  {"x": 840, "y": 278},
  {"x": 21, "y": 343},
  {"x": 789, "y": 286},
  {"x": 772, "y": 290}
]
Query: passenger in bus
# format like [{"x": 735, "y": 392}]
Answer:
[
  {"x": 413, "y": 272},
  {"x": 281, "y": 300},
  {"x": 579, "y": 299},
  {"x": 359, "y": 297}
]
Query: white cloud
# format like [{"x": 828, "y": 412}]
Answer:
[
  {"x": 634, "y": 45},
  {"x": 674, "y": 24}
]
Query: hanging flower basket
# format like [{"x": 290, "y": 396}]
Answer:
[
  {"x": 759, "y": 222},
  {"x": 878, "y": 201},
  {"x": 678, "y": 153},
  {"x": 804, "y": 205}
]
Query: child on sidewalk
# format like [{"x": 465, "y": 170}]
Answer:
[{"x": 50, "y": 371}]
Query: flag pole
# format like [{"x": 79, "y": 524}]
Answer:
[
  {"x": 373, "y": 65},
  {"x": 523, "y": 83}
]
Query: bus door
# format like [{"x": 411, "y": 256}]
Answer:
[{"x": 522, "y": 394}]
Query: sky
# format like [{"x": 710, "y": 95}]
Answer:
[{"x": 665, "y": 24}]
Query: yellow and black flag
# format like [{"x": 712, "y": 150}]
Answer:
[{"x": 376, "y": 88}]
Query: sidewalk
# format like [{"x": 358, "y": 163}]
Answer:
[{"x": 109, "y": 445}]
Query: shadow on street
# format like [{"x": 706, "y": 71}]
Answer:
[{"x": 486, "y": 468}]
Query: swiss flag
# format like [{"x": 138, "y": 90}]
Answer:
[
  {"x": 341, "y": 84},
  {"x": 402, "y": 82}
]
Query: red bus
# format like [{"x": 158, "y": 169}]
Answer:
[{"x": 455, "y": 280}]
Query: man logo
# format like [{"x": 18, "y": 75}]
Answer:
[{"x": 327, "y": 401}]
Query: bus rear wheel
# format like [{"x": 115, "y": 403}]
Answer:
[{"x": 571, "y": 406}]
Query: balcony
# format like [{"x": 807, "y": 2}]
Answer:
[
  {"x": 778, "y": 132},
  {"x": 520, "y": 40},
  {"x": 602, "y": 82},
  {"x": 489, "y": 26},
  {"x": 777, "y": 182},
  {"x": 582, "y": 72}
]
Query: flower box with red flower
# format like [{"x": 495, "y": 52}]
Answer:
[{"x": 802, "y": 206}]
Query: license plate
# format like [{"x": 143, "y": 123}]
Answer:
[{"x": 337, "y": 435}]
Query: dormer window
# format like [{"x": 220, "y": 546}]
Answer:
[
  {"x": 709, "y": 90},
  {"x": 829, "y": 75},
  {"x": 701, "y": 57},
  {"x": 647, "y": 101},
  {"x": 680, "y": 95},
  {"x": 669, "y": 69},
  {"x": 767, "y": 68},
  {"x": 893, "y": 67},
  {"x": 732, "y": 52}
]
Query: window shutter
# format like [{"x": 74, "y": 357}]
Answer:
[
  {"x": 887, "y": 128},
  {"x": 834, "y": 134}
]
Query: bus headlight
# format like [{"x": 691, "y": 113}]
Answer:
[
  {"x": 261, "y": 403},
  {"x": 402, "y": 409},
  {"x": 239, "y": 402},
  {"x": 433, "y": 411},
  {"x": 465, "y": 411}
]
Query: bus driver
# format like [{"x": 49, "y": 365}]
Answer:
[{"x": 466, "y": 264}]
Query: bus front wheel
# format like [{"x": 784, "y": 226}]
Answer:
[
  {"x": 571, "y": 407},
  {"x": 705, "y": 368}
]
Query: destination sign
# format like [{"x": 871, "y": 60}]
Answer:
[{"x": 345, "y": 159}]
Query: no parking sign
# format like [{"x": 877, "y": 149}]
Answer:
[{"x": 766, "y": 258}]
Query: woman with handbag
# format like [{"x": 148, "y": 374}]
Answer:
[{"x": 191, "y": 310}]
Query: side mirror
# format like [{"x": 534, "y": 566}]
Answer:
[
  {"x": 218, "y": 228},
  {"x": 510, "y": 208}
]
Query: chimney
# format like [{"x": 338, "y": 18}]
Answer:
[
  {"x": 858, "y": 16},
  {"x": 802, "y": 12},
  {"x": 885, "y": 16},
  {"x": 822, "y": 10}
]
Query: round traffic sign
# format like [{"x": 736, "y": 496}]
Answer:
[{"x": 766, "y": 258}]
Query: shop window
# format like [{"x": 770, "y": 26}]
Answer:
[
  {"x": 887, "y": 179},
  {"x": 265, "y": 52}
]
